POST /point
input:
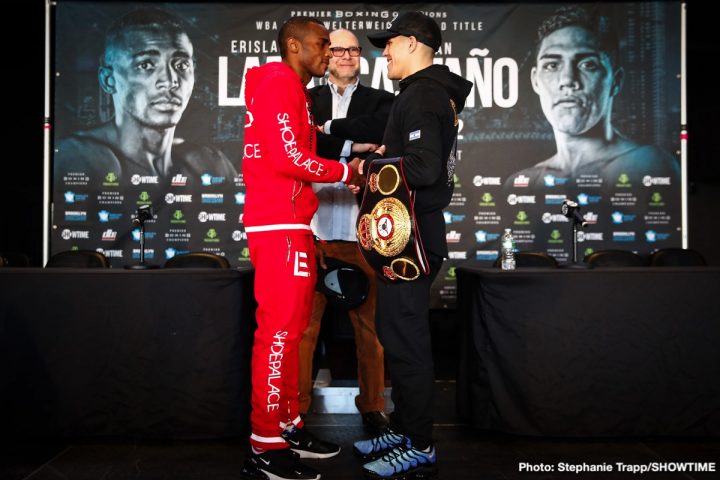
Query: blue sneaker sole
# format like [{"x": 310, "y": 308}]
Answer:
[
  {"x": 370, "y": 456},
  {"x": 420, "y": 473}
]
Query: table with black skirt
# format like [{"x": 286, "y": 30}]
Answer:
[
  {"x": 602, "y": 352},
  {"x": 107, "y": 352}
]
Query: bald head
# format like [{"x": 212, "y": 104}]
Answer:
[{"x": 343, "y": 36}]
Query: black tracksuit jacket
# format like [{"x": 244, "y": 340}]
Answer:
[{"x": 422, "y": 129}]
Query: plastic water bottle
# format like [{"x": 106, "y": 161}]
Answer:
[{"x": 507, "y": 251}]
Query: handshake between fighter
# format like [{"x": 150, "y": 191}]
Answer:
[{"x": 358, "y": 179}]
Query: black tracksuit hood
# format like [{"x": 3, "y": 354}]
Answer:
[{"x": 457, "y": 87}]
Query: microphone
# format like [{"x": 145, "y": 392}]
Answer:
[
  {"x": 144, "y": 212},
  {"x": 572, "y": 211}
]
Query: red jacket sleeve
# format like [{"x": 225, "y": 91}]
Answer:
[{"x": 281, "y": 113}]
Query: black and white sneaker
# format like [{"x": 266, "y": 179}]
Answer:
[
  {"x": 276, "y": 465},
  {"x": 306, "y": 445}
]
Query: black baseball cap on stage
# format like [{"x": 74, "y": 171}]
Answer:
[
  {"x": 344, "y": 284},
  {"x": 407, "y": 24}
]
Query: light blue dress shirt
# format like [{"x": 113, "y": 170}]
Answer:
[{"x": 338, "y": 209}]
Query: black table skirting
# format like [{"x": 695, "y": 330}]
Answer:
[
  {"x": 154, "y": 353},
  {"x": 606, "y": 352}
]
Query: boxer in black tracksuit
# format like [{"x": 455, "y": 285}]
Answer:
[{"x": 422, "y": 129}]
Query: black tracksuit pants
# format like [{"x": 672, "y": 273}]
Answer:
[{"x": 402, "y": 322}]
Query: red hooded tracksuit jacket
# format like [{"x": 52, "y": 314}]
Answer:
[{"x": 279, "y": 164}]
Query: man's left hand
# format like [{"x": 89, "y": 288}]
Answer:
[{"x": 364, "y": 147}]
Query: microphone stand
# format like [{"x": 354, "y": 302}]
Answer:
[
  {"x": 574, "y": 241},
  {"x": 575, "y": 263},
  {"x": 571, "y": 209},
  {"x": 140, "y": 220}
]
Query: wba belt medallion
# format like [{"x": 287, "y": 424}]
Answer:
[{"x": 386, "y": 226}]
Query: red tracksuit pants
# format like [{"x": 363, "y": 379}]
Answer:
[{"x": 284, "y": 282}]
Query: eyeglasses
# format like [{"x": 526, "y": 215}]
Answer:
[{"x": 340, "y": 51}]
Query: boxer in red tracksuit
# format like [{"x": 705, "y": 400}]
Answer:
[{"x": 279, "y": 164}]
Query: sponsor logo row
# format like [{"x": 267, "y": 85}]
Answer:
[
  {"x": 210, "y": 235},
  {"x": 177, "y": 217},
  {"x": 116, "y": 198},
  {"x": 549, "y": 180},
  {"x": 487, "y": 199},
  {"x": 591, "y": 218},
  {"x": 557, "y": 237},
  {"x": 166, "y": 253},
  {"x": 112, "y": 179}
]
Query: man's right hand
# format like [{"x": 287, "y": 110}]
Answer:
[
  {"x": 357, "y": 180},
  {"x": 378, "y": 152}
]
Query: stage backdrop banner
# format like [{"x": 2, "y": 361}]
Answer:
[{"x": 605, "y": 135}]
